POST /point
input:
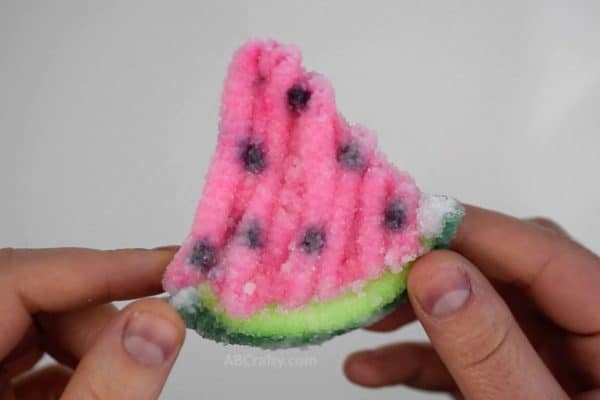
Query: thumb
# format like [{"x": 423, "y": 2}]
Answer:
[
  {"x": 132, "y": 357},
  {"x": 474, "y": 332}
]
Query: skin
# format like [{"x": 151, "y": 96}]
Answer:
[
  {"x": 529, "y": 328},
  {"x": 57, "y": 301}
]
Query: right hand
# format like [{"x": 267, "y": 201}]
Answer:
[{"x": 512, "y": 313}]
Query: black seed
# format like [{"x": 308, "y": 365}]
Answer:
[
  {"x": 313, "y": 240},
  {"x": 298, "y": 97},
  {"x": 253, "y": 157},
  {"x": 204, "y": 254},
  {"x": 394, "y": 215},
  {"x": 253, "y": 235},
  {"x": 350, "y": 157}
]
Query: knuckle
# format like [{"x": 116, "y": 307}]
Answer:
[
  {"x": 543, "y": 262},
  {"x": 551, "y": 226},
  {"x": 92, "y": 390},
  {"x": 543, "y": 221},
  {"x": 487, "y": 347},
  {"x": 84, "y": 386}
]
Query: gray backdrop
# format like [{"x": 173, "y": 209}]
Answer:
[{"x": 108, "y": 115}]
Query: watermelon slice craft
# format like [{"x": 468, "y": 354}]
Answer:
[{"x": 304, "y": 230}]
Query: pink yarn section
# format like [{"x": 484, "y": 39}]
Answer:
[
  {"x": 244, "y": 283},
  {"x": 306, "y": 183},
  {"x": 317, "y": 152}
]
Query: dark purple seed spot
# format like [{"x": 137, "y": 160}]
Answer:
[
  {"x": 394, "y": 215},
  {"x": 350, "y": 157},
  {"x": 313, "y": 240},
  {"x": 298, "y": 97},
  {"x": 253, "y": 235},
  {"x": 253, "y": 157},
  {"x": 260, "y": 79},
  {"x": 204, "y": 254}
]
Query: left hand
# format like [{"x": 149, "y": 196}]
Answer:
[{"x": 57, "y": 301}]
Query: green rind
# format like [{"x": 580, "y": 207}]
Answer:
[
  {"x": 311, "y": 324},
  {"x": 316, "y": 322},
  {"x": 452, "y": 220}
]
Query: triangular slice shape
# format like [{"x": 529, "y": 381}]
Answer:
[{"x": 304, "y": 229}]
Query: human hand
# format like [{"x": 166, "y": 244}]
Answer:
[
  {"x": 57, "y": 301},
  {"x": 514, "y": 315}
]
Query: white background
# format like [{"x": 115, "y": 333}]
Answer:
[{"x": 108, "y": 115}]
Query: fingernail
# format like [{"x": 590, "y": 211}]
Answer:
[
  {"x": 446, "y": 292},
  {"x": 360, "y": 369},
  {"x": 149, "y": 339}
]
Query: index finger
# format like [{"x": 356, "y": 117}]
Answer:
[
  {"x": 561, "y": 276},
  {"x": 62, "y": 279},
  {"x": 54, "y": 280}
]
